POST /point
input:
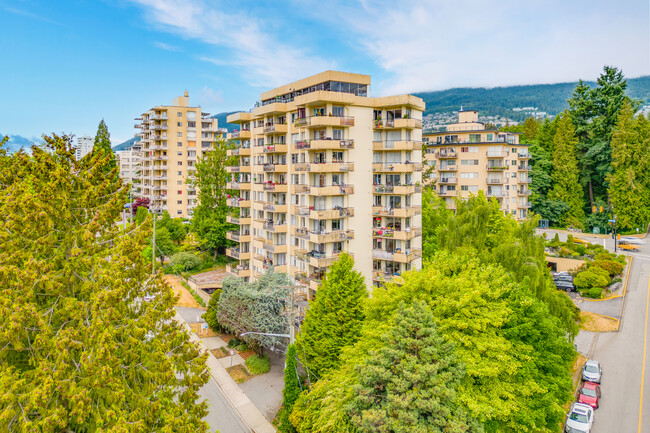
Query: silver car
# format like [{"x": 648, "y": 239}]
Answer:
[
  {"x": 580, "y": 419},
  {"x": 592, "y": 372}
]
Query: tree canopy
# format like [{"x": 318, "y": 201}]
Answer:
[{"x": 79, "y": 348}]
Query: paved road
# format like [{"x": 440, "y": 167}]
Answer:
[
  {"x": 625, "y": 406},
  {"x": 221, "y": 415}
]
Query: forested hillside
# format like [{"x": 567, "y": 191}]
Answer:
[{"x": 551, "y": 98}]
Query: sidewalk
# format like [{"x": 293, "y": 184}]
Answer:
[{"x": 238, "y": 399}]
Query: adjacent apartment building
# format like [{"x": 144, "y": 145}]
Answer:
[
  {"x": 128, "y": 162},
  {"x": 173, "y": 138},
  {"x": 324, "y": 168},
  {"x": 466, "y": 157},
  {"x": 84, "y": 146}
]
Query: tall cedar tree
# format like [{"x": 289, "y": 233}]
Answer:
[
  {"x": 566, "y": 181},
  {"x": 291, "y": 390},
  {"x": 628, "y": 183},
  {"x": 103, "y": 145},
  {"x": 79, "y": 350},
  {"x": 409, "y": 384},
  {"x": 209, "y": 219},
  {"x": 531, "y": 129},
  {"x": 334, "y": 317}
]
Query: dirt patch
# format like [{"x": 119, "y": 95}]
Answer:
[
  {"x": 196, "y": 327},
  {"x": 597, "y": 323},
  {"x": 239, "y": 373},
  {"x": 185, "y": 298},
  {"x": 246, "y": 354},
  {"x": 226, "y": 337},
  {"x": 219, "y": 353}
]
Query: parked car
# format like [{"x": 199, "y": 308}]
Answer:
[
  {"x": 590, "y": 394},
  {"x": 565, "y": 285},
  {"x": 580, "y": 419},
  {"x": 562, "y": 278},
  {"x": 592, "y": 372}
]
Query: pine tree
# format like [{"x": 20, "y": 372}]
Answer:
[
  {"x": 531, "y": 129},
  {"x": 291, "y": 390},
  {"x": 409, "y": 385},
  {"x": 334, "y": 317},
  {"x": 103, "y": 147},
  {"x": 79, "y": 349},
  {"x": 566, "y": 182},
  {"x": 628, "y": 189}
]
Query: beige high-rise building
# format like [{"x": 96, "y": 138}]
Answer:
[
  {"x": 173, "y": 138},
  {"x": 324, "y": 168},
  {"x": 466, "y": 157}
]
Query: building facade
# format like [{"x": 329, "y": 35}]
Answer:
[
  {"x": 324, "y": 168},
  {"x": 173, "y": 138},
  {"x": 466, "y": 157},
  {"x": 128, "y": 162},
  {"x": 84, "y": 146}
]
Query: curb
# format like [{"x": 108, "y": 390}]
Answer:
[{"x": 248, "y": 413}]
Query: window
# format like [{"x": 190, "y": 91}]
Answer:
[
  {"x": 179, "y": 182},
  {"x": 179, "y": 212},
  {"x": 337, "y": 111},
  {"x": 469, "y": 175},
  {"x": 179, "y": 153},
  {"x": 179, "y": 163},
  {"x": 514, "y": 150},
  {"x": 180, "y": 192},
  {"x": 337, "y": 225},
  {"x": 179, "y": 124},
  {"x": 467, "y": 162},
  {"x": 474, "y": 138},
  {"x": 180, "y": 114},
  {"x": 179, "y": 202},
  {"x": 489, "y": 137},
  {"x": 180, "y": 173},
  {"x": 336, "y": 179},
  {"x": 179, "y": 134},
  {"x": 337, "y": 134},
  {"x": 513, "y": 162},
  {"x": 470, "y": 188},
  {"x": 179, "y": 144}
]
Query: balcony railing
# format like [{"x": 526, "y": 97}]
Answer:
[
  {"x": 450, "y": 180},
  {"x": 498, "y": 181}
]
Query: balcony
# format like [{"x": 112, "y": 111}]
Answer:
[
  {"x": 448, "y": 180},
  {"x": 397, "y": 167},
  {"x": 238, "y": 185},
  {"x": 238, "y": 220},
  {"x": 236, "y": 254},
  {"x": 301, "y": 189},
  {"x": 277, "y": 187},
  {"x": 238, "y": 270},
  {"x": 398, "y": 124},
  {"x": 324, "y": 144},
  {"x": 495, "y": 194},
  {"x": 238, "y": 202},
  {"x": 239, "y": 135},
  {"x": 275, "y": 148},
  {"x": 387, "y": 277},
  {"x": 499, "y": 181},
  {"x": 331, "y": 190},
  {"x": 523, "y": 167},
  {"x": 303, "y": 166},
  {"x": 396, "y": 189},
  {"x": 497, "y": 153},
  {"x": 448, "y": 168},
  {"x": 326, "y": 214},
  {"x": 324, "y": 121},
  {"x": 334, "y": 236},
  {"x": 277, "y": 128},
  {"x": 235, "y": 236},
  {"x": 275, "y": 249},
  {"x": 240, "y": 151},
  {"x": 159, "y": 127},
  {"x": 526, "y": 205},
  {"x": 278, "y": 168},
  {"x": 397, "y": 212},
  {"x": 321, "y": 260},
  {"x": 331, "y": 167},
  {"x": 523, "y": 192},
  {"x": 524, "y": 156},
  {"x": 446, "y": 154},
  {"x": 497, "y": 167},
  {"x": 528, "y": 180},
  {"x": 392, "y": 233},
  {"x": 276, "y": 226},
  {"x": 397, "y": 145},
  {"x": 273, "y": 207}
]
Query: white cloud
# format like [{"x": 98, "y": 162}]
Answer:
[
  {"x": 436, "y": 44},
  {"x": 166, "y": 47},
  {"x": 239, "y": 39},
  {"x": 209, "y": 96}
]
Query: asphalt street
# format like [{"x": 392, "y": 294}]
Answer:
[{"x": 221, "y": 416}]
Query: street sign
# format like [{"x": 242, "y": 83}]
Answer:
[{"x": 612, "y": 221}]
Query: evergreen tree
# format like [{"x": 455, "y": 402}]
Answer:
[
  {"x": 628, "y": 183},
  {"x": 409, "y": 384},
  {"x": 211, "y": 316},
  {"x": 531, "y": 129},
  {"x": 209, "y": 219},
  {"x": 79, "y": 350},
  {"x": 334, "y": 317},
  {"x": 566, "y": 184},
  {"x": 290, "y": 392},
  {"x": 103, "y": 147}
]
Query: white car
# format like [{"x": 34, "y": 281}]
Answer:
[
  {"x": 592, "y": 372},
  {"x": 580, "y": 419}
]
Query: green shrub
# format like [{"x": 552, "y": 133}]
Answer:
[
  {"x": 604, "y": 255},
  {"x": 237, "y": 344},
  {"x": 570, "y": 241},
  {"x": 210, "y": 315},
  {"x": 594, "y": 292},
  {"x": 185, "y": 260},
  {"x": 575, "y": 255},
  {"x": 592, "y": 277},
  {"x": 612, "y": 267},
  {"x": 564, "y": 252},
  {"x": 257, "y": 365},
  {"x": 617, "y": 280},
  {"x": 581, "y": 249}
]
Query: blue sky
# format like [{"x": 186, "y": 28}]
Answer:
[{"x": 67, "y": 64}]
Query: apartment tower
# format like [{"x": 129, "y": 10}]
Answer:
[
  {"x": 467, "y": 157},
  {"x": 324, "y": 168},
  {"x": 173, "y": 137}
]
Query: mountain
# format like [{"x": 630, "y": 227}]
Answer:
[
  {"x": 17, "y": 142},
  {"x": 126, "y": 145},
  {"x": 499, "y": 101},
  {"x": 221, "y": 117}
]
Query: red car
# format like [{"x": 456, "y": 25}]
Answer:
[{"x": 590, "y": 394}]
